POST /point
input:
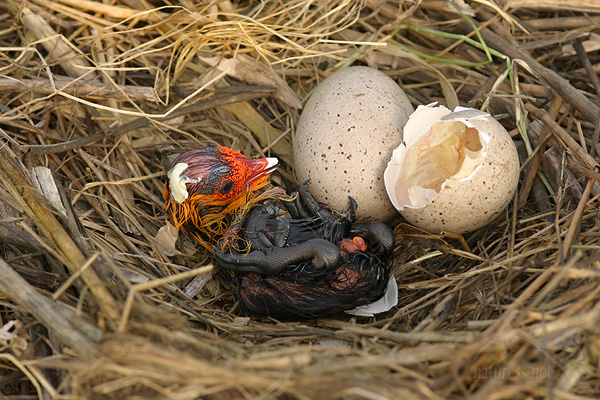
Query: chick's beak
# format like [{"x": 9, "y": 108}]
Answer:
[{"x": 261, "y": 167}]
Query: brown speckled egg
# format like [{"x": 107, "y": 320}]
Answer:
[
  {"x": 455, "y": 171},
  {"x": 345, "y": 137}
]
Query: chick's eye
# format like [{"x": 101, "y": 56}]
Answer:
[{"x": 227, "y": 186}]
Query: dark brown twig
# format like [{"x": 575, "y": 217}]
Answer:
[
  {"x": 589, "y": 68},
  {"x": 571, "y": 95},
  {"x": 588, "y": 173},
  {"x": 563, "y": 136}
]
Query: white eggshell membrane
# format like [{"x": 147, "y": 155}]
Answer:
[
  {"x": 345, "y": 136},
  {"x": 455, "y": 171},
  {"x": 178, "y": 181},
  {"x": 177, "y": 184}
]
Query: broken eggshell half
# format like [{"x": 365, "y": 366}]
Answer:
[{"x": 455, "y": 171}]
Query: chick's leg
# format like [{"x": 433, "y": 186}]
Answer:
[
  {"x": 276, "y": 260},
  {"x": 304, "y": 206}
]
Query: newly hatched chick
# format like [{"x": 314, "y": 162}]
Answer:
[{"x": 307, "y": 263}]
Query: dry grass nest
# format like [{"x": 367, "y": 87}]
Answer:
[{"x": 96, "y": 96}]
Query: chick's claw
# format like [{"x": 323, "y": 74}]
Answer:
[
  {"x": 304, "y": 206},
  {"x": 264, "y": 232}
]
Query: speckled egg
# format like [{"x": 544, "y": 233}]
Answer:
[
  {"x": 455, "y": 171},
  {"x": 345, "y": 137}
]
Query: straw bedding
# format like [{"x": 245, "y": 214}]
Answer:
[{"x": 96, "y": 97}]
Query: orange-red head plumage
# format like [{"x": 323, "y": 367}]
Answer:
[{"x": 206, "y": 187}]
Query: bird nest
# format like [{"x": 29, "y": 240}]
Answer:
[{"x": 96, "y": 96}]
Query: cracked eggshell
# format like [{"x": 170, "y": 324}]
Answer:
[
  {"x": 455, "y": 171},
  {"x": 345, "y": 136}
]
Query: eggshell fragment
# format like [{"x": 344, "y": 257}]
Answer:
[
  {"x": 455, "y": 171},
  {"x": 345, "y": 136},
  {"x": 166, "y": 238}
]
